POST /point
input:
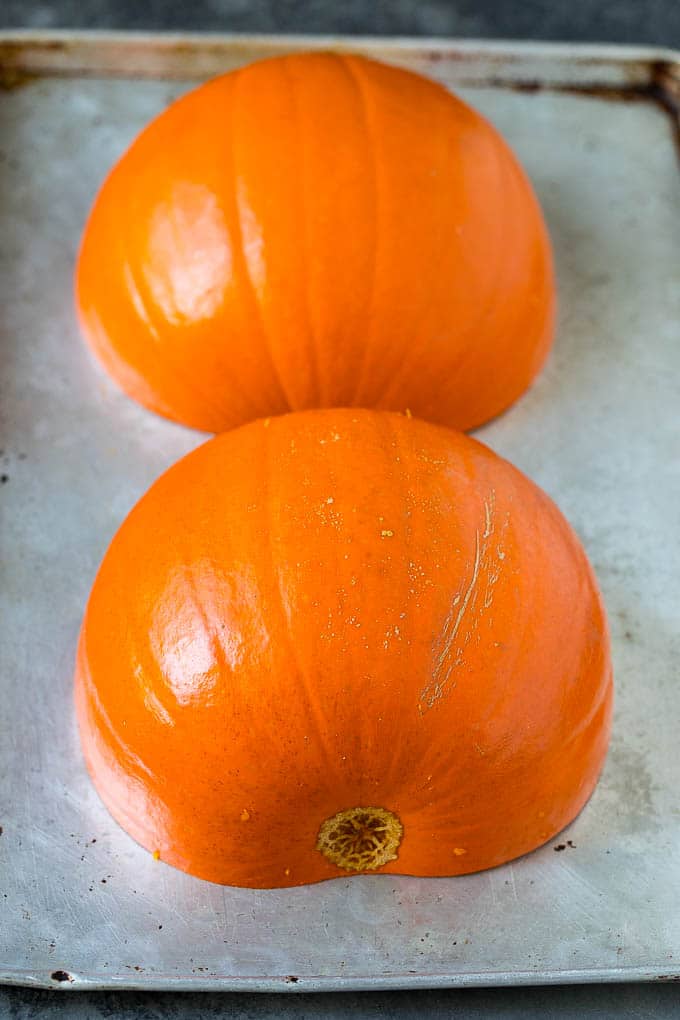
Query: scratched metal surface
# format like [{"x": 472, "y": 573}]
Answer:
[{"x": 600, "y": 431}]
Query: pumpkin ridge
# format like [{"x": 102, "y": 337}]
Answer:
[
  {"x": 240, "y": 256},
  {"x": 355, "y": 77},
  {"x": 301, "y": 205},
  {"x": 304, "y": 680}
]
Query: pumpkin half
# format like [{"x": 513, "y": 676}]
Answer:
[
  {"x": 313, "y": 231},
  {"x": 343, "y": 641}
]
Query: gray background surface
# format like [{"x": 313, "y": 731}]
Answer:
[{"x": 634, "y": 21}]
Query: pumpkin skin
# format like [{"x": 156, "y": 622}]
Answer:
[
  {"x": 318, "y": 231},
  {"x": 342, "y": 611}
]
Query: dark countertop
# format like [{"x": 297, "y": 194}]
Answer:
[
  {"x": 654, "y": 22},
  {"x": 587, "y": 1002}
]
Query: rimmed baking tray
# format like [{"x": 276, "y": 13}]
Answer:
[{"x": 80, "y": 904}]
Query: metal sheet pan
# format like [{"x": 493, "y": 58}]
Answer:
[{"x": 80, "y": 904}]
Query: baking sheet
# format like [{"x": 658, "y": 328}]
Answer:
[{"x": 80, "y": 904}]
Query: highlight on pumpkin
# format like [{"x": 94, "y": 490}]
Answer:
[
  {"x": 270, "y": 692},
  {"x": 318, "y": 230}
]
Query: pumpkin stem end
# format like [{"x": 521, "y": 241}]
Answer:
[{"x": 360, "y": 838}]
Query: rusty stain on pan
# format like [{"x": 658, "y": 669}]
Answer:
[{"x": 27, "y": 57}]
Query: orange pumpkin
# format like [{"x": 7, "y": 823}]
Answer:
[
  {"x": 315, "y": 231},
  {"x": 343, "y": 641}
]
